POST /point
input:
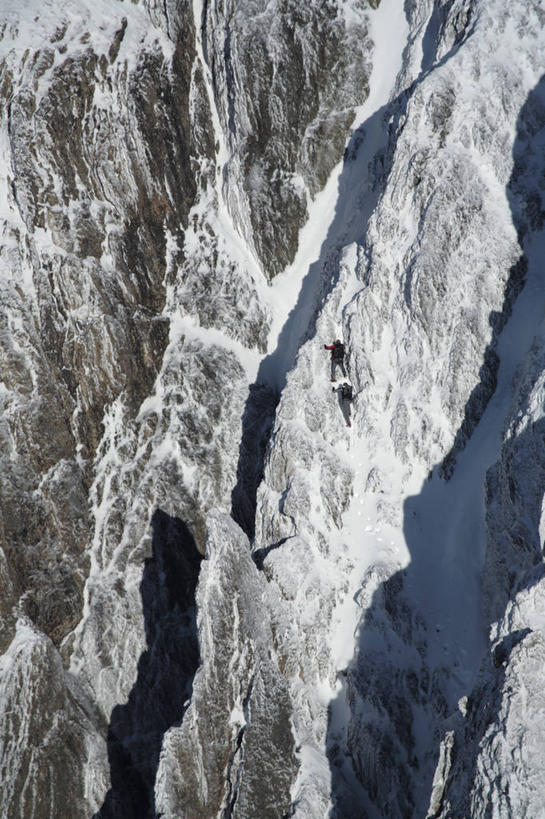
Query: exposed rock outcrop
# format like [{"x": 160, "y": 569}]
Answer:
[{"x": 148, "y": 197}]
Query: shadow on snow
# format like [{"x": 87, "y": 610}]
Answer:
[
  {"x": 406, "y": 677},
  {"x": 166, "y": 669}
]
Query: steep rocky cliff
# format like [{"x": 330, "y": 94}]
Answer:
[
  {"x": 216, "y": 599},
  {"x": 138, "y": 140}
]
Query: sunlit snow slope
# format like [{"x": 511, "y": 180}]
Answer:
[
  {"x": 403, "y": 540},
  {"x": 216, "y": 599}
]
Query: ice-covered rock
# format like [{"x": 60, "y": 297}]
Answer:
[
  {"x": 287, "y": 78},
  {"x": 436, "y": 329},
  {"x": 187, "y": 219},
  {"x": 234, "y": 752},
  {"x": 495, "y": 765},
  {"x": 48, "y": 731},
  {"x": 152, "y": 183}
]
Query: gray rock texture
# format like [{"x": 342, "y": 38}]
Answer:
[
  {"x": 234, "y": 753},
  {"x": 216, "y": 599},
  {"x": 287, "y": 78},
  {"x": 158, "y": 162}
]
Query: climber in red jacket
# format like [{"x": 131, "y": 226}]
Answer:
[{"x": 337, "y": 357}]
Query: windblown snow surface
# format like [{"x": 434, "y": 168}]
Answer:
[{"x": 364, "y": 634}]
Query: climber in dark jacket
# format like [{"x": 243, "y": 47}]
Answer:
[
  {"x": 337, "y": 357},
  {"x": 346, "y": 398}
]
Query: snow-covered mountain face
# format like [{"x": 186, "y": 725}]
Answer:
[{"x": 215, "y": 598}]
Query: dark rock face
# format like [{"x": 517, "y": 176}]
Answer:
[
  {"x": 133, "y": 136},
  {"x": 287, "y": 77},
  {"x": 91, "y": 323},
  {"x": 46, "y": 731}
]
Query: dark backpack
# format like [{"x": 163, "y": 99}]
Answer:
[
  {"x": 347, "y": 392},
  {"x": 338, "y": 352}
]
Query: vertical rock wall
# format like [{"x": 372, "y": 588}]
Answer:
[{"x": 152, "y": 185}]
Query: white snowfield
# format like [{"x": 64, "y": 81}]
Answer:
[{"x": 376, "y": 648}]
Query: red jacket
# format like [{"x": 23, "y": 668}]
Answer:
[{"x": 337, "y": 350}]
